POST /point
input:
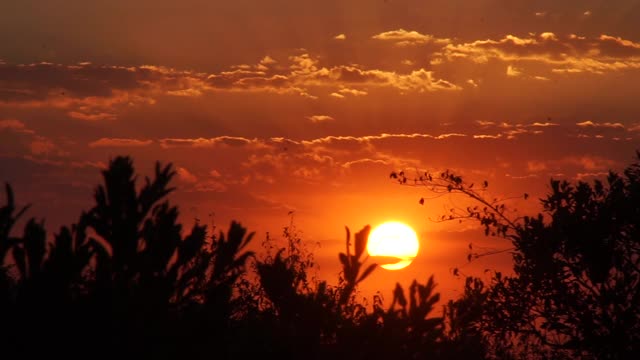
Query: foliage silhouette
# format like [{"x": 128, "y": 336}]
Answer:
[
  {"x": 134, "y": 281},
  {"x": 351, "y": 263},
  {"x": 575, "y": 292},
  {"x": 126, "y": 280}
]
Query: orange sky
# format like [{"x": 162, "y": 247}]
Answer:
[{"x": 266, "y": 107}]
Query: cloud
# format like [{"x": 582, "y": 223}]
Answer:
[
  {"x": 522, "y": 126},
  {"x": 353, "y": 92},
  {"x": 562, "y": 54},
  {"x": 15, "y": 126},
  {"x": 320, "y": 118},
  {"x": 581, "y": 165},
  {"x": 340, "y": 37},
  {"x": 224, "y": 142},
  {"x": 185, "y": 176},
  {"x": 210, "y": 186},
  {"x": 264, "y": 64},
  {"x": 307, "y": 172},
  {"x": 303, "y": 64},
  {"x": 544, "y": 124},
  {"x": 485, "y": 123},
  {"x": 267, "y": 60},
  {"x": 341, "y": 94},
  {"x": 118, "y": 142},
  {"x": 403, "y": 37},
  {"x": 44, "y": 146},
  {"x": 307, "y": 159},
  {"x": 591, "y": 124},
  {"x": 90, "y": 92},
  {"x": 588, "y": 162},
  {"x": 98, "y": 116},
  {"x": 513, "y": 71},
  {"x": 536, "y": 166},
  {"x": 486, "y": 136},
  {"x": 190, "y": 92},
  {"x": 359, "y": 140},
  {"x": 548, "y": 36},
  {"x": 364, "y": 162},
  {"x": 19, "y": 140}
]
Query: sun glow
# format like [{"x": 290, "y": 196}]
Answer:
[{"x": 393, "y": 244}]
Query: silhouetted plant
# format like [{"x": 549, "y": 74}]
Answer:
[
  {"x": 407, "y": 329},
  {"x": 125, "y": 280},
  {"x": 351, "y": 263},
  {"x": 576, "y": 286},
  {"x": 305, "y": 315},
  {"x": 124, "y": 274},
  {"x": 462, "y": 318}
]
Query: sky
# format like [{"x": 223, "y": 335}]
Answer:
[{"x": 283, "y": 111}]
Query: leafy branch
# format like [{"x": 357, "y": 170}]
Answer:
[{"x": 492, "y": 214}]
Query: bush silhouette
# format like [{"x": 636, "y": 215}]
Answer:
[
  {"x": 575, "y": 292},
  {"x": 123, "y": 275},
  {"x": 125, "y": 279}
]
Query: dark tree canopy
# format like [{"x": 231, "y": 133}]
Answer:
[
  {"x": 126, "y": 279},
  {"x": 575, "y": 290}
]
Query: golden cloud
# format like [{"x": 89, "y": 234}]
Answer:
[
  {"x": 569, "y": 54},
  {"x": 513, "y": 71},
  {"x": 305, "y": 71},
  {"x": 319, "y": 118},
  {"x": 402, "y": 37},
  {"x": 366, "y": 162},
  {"x": 592, "y": 124}
]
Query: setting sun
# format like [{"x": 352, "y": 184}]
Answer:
[{"x": 394, "y": 241}]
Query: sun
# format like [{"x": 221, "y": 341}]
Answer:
[{"x": 394, "y": 244}]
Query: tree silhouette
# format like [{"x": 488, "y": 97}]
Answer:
[
  {"x": 127, "y": 280},
  {"x": 577, "y": 269},
  {"x": 123, "y": 275}
]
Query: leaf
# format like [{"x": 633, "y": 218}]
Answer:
[
  {"x": 348, "y": 238},
  {"x": 398, "y": 295},
  {"x": 343, "y": 260},
  {"x": 366, "y": 273},
  {"x": 361, "y": 240}
]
